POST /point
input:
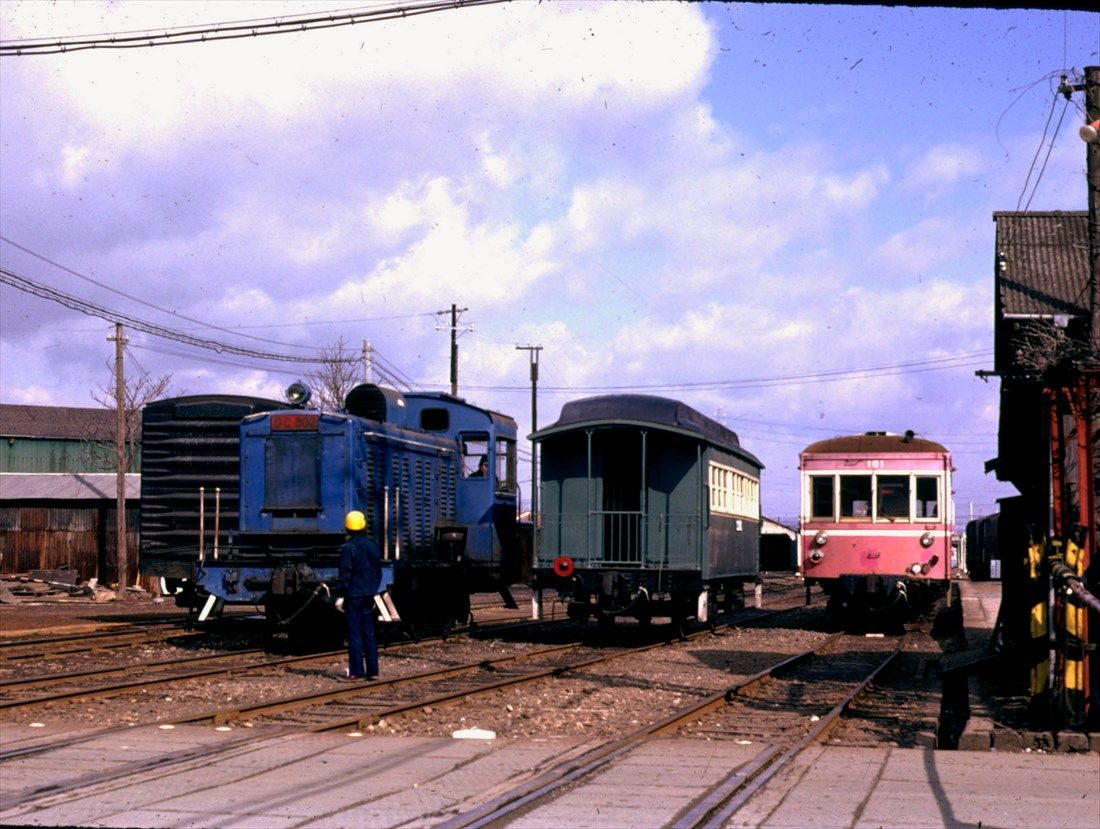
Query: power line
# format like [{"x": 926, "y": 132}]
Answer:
[
  {"x": 30, "y": 286},
  {"x": 961, "y": 360},
  {"x": 140, "y": 301},
  {"x": 229, "y": 30}
]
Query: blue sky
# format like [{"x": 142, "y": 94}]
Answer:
[{"x": 780, "y": 214}]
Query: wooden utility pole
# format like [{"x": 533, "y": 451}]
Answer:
[
  {"x": 120, "y": 454},
  {"x": 455, "y": 311},
  {"x": 1092, "y": 161}
]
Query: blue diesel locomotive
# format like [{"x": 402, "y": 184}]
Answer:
[
  {"x": 434, "y": 476},
  {"x": 649, "y": 508}
]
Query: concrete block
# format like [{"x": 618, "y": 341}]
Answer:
[
  {"x": 1094, "y": 741},
  {"x": 1005, "y": 739},
  {"x": 926, "y": 739},
  {"x": 977, "y": 735},
  {"x": 1038, "y": 740},
  {"x": 1072, "y": 741}
]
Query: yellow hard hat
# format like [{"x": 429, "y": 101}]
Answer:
[{"x": 355, "y": 521}]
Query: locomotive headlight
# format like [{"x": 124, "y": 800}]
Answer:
[
  {"x": 927, "y": 539},
  {"x": 915, "y": 569},
  {"x": 298, "y": 394},
  {"x": 821, "y": 538},
  {"x": 816, "y": 556}
]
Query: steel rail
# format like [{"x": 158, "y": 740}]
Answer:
[
  {"x": 714, "y": 808},
  {"x": 551, "y": 781},
  {"x": 119, "y": 688},
  {"x": 14, "y": 640},
  {"x": 51, "y": 679},
  {"x": 104, "y": 641}
]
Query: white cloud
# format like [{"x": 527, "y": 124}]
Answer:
[{"x": 942, "y": 166}]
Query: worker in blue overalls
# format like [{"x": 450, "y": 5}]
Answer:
[{"x": 360, "y": 578}]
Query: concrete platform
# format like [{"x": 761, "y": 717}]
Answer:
[{"x": 338, "y": 780}]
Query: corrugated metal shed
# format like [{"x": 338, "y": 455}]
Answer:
[
  {"x": 1042, "y": 263},
  {"x": 51, "y": 439},
  {"x": 63, "y": 486}
]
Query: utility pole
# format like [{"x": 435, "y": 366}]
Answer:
[
  {"x": 120, "y": 454},
  {"x": 1092, "y": 161},
  {"x": 368, "y": 357},
  {"x": 455, "y": 311},
  {"x": 533, "y": 352}
]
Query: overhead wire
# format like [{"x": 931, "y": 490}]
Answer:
[
  {"x": 30, "y": 286},
  {"x": 230, "y": 30},
  {"x": 141, "y": 301}
]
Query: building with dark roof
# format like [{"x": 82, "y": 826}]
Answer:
[
  {"x": 58, "y": 491},
  {"x": 1046, "y": 360}
]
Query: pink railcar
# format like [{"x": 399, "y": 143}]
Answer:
[{"x": 877, "y": 519}]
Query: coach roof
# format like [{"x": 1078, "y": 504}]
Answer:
[
  {"x": 872, "y": 443},
  {"x": 644, "y": 410}
]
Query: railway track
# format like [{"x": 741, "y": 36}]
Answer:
[
  {"x": 49, "y": 647},
  {"x": 353, "y": 709},
  {"x": 836, "y": 684}
]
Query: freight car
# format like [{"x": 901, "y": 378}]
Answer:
[
  {"x": 877, "y": 520},
  {"x": 190, "y": 472},
  {"x": 649, "y": 508},
  {"x": 434, "y": 476},
  {"x": 983, "y": 552}
]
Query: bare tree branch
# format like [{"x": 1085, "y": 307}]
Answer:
[
  {"x": 337, "y": 375},
  {"x": 138, "y": 390}
]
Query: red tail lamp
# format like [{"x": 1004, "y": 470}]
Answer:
[{"x": 563, "y": 566}]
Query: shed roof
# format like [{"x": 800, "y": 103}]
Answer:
[
  {"x": 1042, "y": 263},
  {"x": 65, "y": 486},
  {"x": 18, "y": 421}
]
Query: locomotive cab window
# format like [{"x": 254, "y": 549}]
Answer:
[
  {"x": 822, "y": 504},
  {"x": 435, "y": 420},
  {"x": 475, "y": 456},
  {"x": 506, "y": 466},
  {"x": 855, "y": 496},
  {"x": 928, "y": 498}
]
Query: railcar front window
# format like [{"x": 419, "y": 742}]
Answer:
[
  {"x": 821, "y": 497},
  {"x": 893, "y": 497},
  {"x": 855, "y": 496},
  {"x": 928, "y": 499}
]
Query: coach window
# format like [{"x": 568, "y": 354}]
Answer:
[
  {"x": 855, "y": 496},
  {"x": 928, "y": 499},
  {"x": 475, "y": 456},
  {"x": 893, "y": 497},
  {"x": 506, "y": 465},
  {"x": 821, "y": 497}
]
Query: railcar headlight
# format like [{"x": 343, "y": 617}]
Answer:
[
  {"x": 821, "y": 538},
  {"x": 927, "y": 539}
]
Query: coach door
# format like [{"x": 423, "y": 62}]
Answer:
[{"x": 621, "y": 519}]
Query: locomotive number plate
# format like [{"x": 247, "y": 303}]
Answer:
[{"x": 295, "y": 422}]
